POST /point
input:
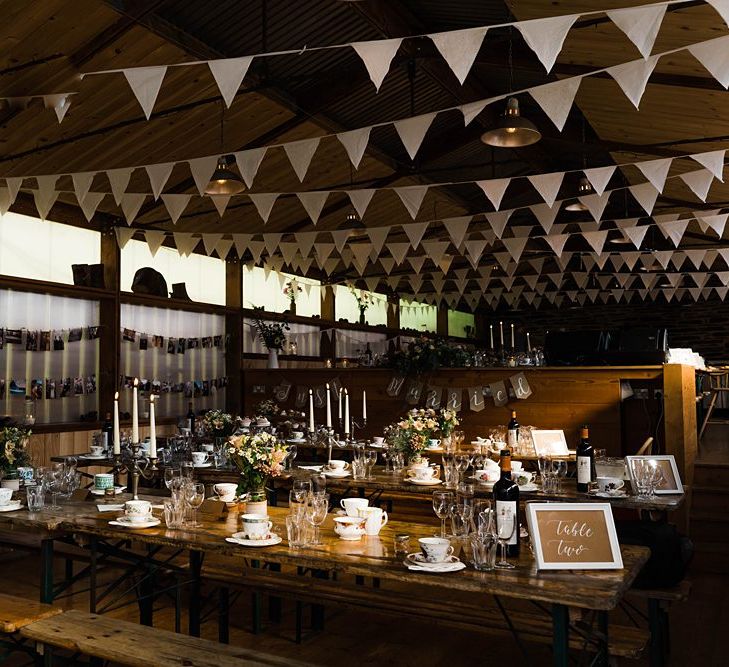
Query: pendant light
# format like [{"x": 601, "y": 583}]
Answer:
[
  {"x": 224, "y": 181},
  {"x": 512, "y": 130}
]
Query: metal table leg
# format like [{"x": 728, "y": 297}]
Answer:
[
  {"x": 46, "y": 584},
  {"x": 603, "y": 652},
  {"x": 560, "y": 635},
  {"x": 195, "y": 602}
]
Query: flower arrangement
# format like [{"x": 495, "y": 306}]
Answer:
[
  {"x": 13, "y": 448},
  {"x": 267, "y": 409},
  {"x": 258, "y": 457},
  {"x": 292, "y": 290},
  {"x": 411, "y": 434},
  {"x": 426, "y": 355},
  {"x": 219, "y": 423},
  {"x": 271, "y": 334},
  {"x": 447, "y": 421}
]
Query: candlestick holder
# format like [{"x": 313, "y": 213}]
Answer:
[
  {"x": 349, "y": 437},
  {"x": 133, "y": 462}
]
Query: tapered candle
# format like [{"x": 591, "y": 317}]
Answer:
[
  {"x": 346, "y": 412},
  {"x": 329, "y": 407},
  {"x": 152, "y": 430},
  {"x": 491, "y": 334},
  {"x": 340, "y": 404},
  {"x": 135, "y": 414},
  {"x": 311, "y": 410},
  {"x": 512, "y": 337},
  {"x": 501, "y": 331},
  {"x": 117, "y": 438},
  {"x": 529, "y": 345},
  {"x": 364, "y": 405}
]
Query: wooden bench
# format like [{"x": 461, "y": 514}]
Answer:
[
  {"x": 16, "y": 613},
  {"x": 106, "y": 638}
]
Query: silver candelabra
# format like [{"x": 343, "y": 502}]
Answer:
[{"x": 135, "y": 464}]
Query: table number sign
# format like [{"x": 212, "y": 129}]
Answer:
[
  {"x": 574, "y": 536},
  {"x": 671, "y": 480},
  {"x": 549, "y": 443}
]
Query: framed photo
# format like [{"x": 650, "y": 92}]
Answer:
[
  {"x": 671, "y": 482},
  {"x": 549, "y": 443},
  {"x": 574, "y": 536}
]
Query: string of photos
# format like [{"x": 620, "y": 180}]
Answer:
[
  {"x": 47, "y": 341},
  {"x": 188, "y": 388},
  {"x": 174, "y": 345},
  {"x": 49, "y": 388}
]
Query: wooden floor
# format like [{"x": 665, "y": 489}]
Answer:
[{"x": 357, "y": 638}]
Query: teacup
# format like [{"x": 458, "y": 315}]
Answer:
[
  {"x": 103, "y": 480},
  {"x": 610, "y": 484},
  {"x": 375, "y": 518},
  {"x": 378, "y": 440},
  {"x": 522, "y": 477},
  {"x": 245, "y": 422},
  {"x": 435, "y": 549},
  {"x": 137, "y": 511},
  {"x": 5, "y": 496},
  {"x": 487, "y": 475},
  {"x": 349, "y": 527},
  {"x": 433, "y": 443},
  {"x": 338, "y": 465},
  {"x": 226, "y": 491},
  {"x": 297, "y": 435},
  {"x": 25, "y": 473},
  {"x": 96, "y": 450},
  {"x": 256, "y": 526},
  {"x": 516, "y": 466},
  {"x": 198, "y": 458},
  {"x": 208, "y": 447},
  {"x": 353, "y": 505},
  {"x": 420, "y": 463},
  {"x": 422, "y": 474}
]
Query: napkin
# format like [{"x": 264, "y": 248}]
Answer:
[
  {"x": 110, "y": 508},
  {"x": 316, "y": 468},
  {"x": 450, "y": 567}
]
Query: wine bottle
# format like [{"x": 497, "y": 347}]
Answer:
[
  {"x": 191, "y": 418},
  {"x": 107, "y": 430},
  {"x": 506, "y": 498},
  {"x": 512, "y": 433},
  {"x": 585, "y": 461}
]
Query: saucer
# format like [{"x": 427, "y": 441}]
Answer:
[
  {"x": 452, "y": 564},
  {"x": 12, "y": 506},
  {"x": 417, "y": 558},
  {"x": 481, "y": 483},
  {"x": 89, "y": 457},
  {"x": 296, "y": 441},
  {"x": 604, "y": 494},
  {"x": 102, "y": 492},
  {"x": 528, "y": 488},
  {"x": 425, "y": 482},
  {"x": 122, "y": 521},
  {"x": 239, "y": 538},
  {"x": 202, "y": 465},
  {"x": 336, "y": 474}
]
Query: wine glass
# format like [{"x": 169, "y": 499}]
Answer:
[
  {"x": 171, "y": 477},
  {"x": 462, "y": 462},
  {"x": 318, "y": 484},
  {"x": 560, "y": 470},
  {"x": 303, "y": 485},
  {"x": 505, "y": 527},
  {"x": 293, "y": 451},
  {"x": 442, "y": 501},
  {"x": 316, "y": 513},
  {"x": 370, "y": 458},
  {"x": 194, "y": 496},
  {"x": 52, "y": 480},
  {"x": 458, "y": 438}
]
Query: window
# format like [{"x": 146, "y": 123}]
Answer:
[
  {"x": 419, "y": 316},
  {"x": 204, "y": 277},
  {"x": 460, "y": 323},
  {"x": 345, "y": 306},
  {"x": 44, "y": 250},
  {"x": 264, "y": 290}
]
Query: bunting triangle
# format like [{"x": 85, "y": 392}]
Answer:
[
  {"x": 599, "y": 177},
  {"x": 545, "y": 214},
  {"x": 145, "y": 83},
  {"x": 645, "y": 194},
  {"x": 220, "y": 202},
  {"x": 459, "y": 48},
  {"x": 415, "y": 232},
  {"x": 596, "y": 239},
  {"x": 175, "y": 205},
  {"x": 313, "y": 202},
  {"x": 249, "y": 162},
  {"x": 185, "y": 242},
  {"x": 635, "y": 234},
  {"x": 377, "y": 56},
  {"x": 556, "y": 98},
  {"x": 82, "y": 183},
  {"x": 154, "y": 240},
  {"x": 632, "y": 77},
  {"x": 699, "y": 182},
  {"x": 118, "y": 180},
  {"x": 229, "y": 74},
  {"x": 412, "y": 197},
  {"x": 264, "y": 203},
  {"x": 547, "y": 185},
  {"x": 457, "y": 228},
  {"x": 546, "y": 36},
  {"x": 202, "y": 169},
  {"x": 412, "y": 131},
  {"x": 158, "y": 175},
  {"x": 713, "y": 161},
  {"x": 498, "y": 221},
  {"x": 713, "y": 54},
  {"x": 123, "y": 235},
  {"x": 556, "y": 242},
  {"x": 656, "y": 171},
  {"x": 90, "y": 203},
  {"x": 361, "y": 200},
  {"x": 515, "y": 246},
  {"x": 494, "y": 189},
  {"x": 355, "y": 143},
  {"x": 131, "y": 203},
  {"x": 300, "y": 154},
  {"x": 640, "y": 24}
]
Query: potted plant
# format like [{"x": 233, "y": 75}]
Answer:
[
  {"x": 219, "y": 424},
  {"x": 292, "y": 290},
  {"x": 364, "y": 301},
  {"x": 13, "y": 454},
  {"x": 271, "y": 334}
]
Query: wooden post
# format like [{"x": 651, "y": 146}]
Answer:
[
  {"x": 109, "y": 318},
  {"x": 327, "y": 303},
  {"x": 442, "y": 329},
  {"x": 233, "y": 327},
  {"x": 393, "y": 311}
]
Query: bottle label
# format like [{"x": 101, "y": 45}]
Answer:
[
  {"x": 189, "y": 424},
  {"x": 512, "y": 438},
  {"x": 506, "y": 520},
  {"x": 584, "y": 474},
  {"x": 106, "y": 438}
]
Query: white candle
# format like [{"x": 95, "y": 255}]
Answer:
[
  {"x": 340, "y": 404},
  {"x": 364, "y": 405},
  {"x": 117, "y": 438},
  {"x": 311, "y": 410},
  {"x": 152, "y": 430},
  {"x": 501, "y": 331},
  {"x": 491, "y": 334},
  {"x": 135, "y": 414},
  {"x": 329, "y": 407},
  {"x": 346, "y": 412},
  {"x": 529, "y": 345},
  {"x": 513, "y": 347}
]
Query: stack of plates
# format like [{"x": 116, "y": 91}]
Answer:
[
  {"x": 11, "y": 506},
  {"x": 416, "y": 563},
  {"x": 240, "y": 538},
  {"x": 124, "y": 522}
]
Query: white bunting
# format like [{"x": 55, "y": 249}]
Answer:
[
  {"x": 264, "y": 203},
  {"x": 378, "y": 236},
  {"x": 599, "y": 177},
  {"x": 90, "y": 203},
  {"x": 721, "y": 292},
  {"x": 44, "y": 200},
  {"x": 415, "y": 232},
  {"x": 696, "y": 256},
  {"x": 60, "y": 103},
  {"x": 474, "y": 250},
  {"x": 145, "y": 83},
  {"x": 556, "y": 242},
  {"x": 417, "y": 263},
  {"x": 300, "y": 154},
  {"x": 154, "y": 240},
  {"x": 498, "y": 221},
  {"x": 323, "y": 252},
  {"x": 596, "y": 240},
  {"x": 202, "y": 169},
  {"x": 494, "y": 189},
  {"x": 229, "y": 74},
  {"x": 241, "y": 242},
  {"x": 699, "y": 182},
  {"x": 256, "y": 249},
  {"x": 305, "y": 242},
  {"x": 398, "y": 251},
  {"x": 537, "y": 263},
  {"x": 249, "y": 162},
  {"x": 377, "y": 56},
  {"x": 158, "y": 175},
  {"x": 220, "y": 202},
  {"x": 556, "y": 98},
  {"x": 459, "y": 48},
  {"x": 175, "y": 205},
  {"x": 412, "y": 131},
  {"x": 210, "y": 241},
  {"x": 457, "y": 228},
  {"x": 435, "y": 249},
  {"x": 515, "y": 246},
  {"x": 656, "y": 171},
  {"x": 663, "y": 257},
  {"x": 632, "y": 77},
  {"x": 716, "y": 222},
  {"x": 713, "y": 54},
  {"x": 545, "y": 214},
  {"x": 288, "y": 251},
  {"x": 131, "y": 203},
  {"x": 640, "y": 24},
  {"x": 674, "y": 230},
  {"x": 546, "y": 36},
  {"x": 13, "y": 187},
  {"x": 355, "y": 143},
  {"x": 271, "y": 242},
  {"x": 361, "y": 199},
  {"x": 445, "y": 263},
  {"x": 713, "y": 161},
  {"x": 473, "y": 109},
  {"x": 547, "y": 185},
  {"x": 645, "y": 194},
  {"x": 678, "y": 259},
  {"x": 503, "y": 258},
  {"x": 412, "y": 197},
  {"x": 723, "y": 276},
  {"x": 340, "y": 236},
  {"x": 82, "y": 183},
  {"x": 388, "y": 264},
  {"x": 636, "y": 234},
  {"x": 123, "y": 235},
  {"x": 118, "y": 180},
  {"x": 313, "y": 202},
  {"x": 596, "y": 204}
]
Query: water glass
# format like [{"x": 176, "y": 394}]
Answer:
[
  {"x": 370, "y": 458},
  {"x": 296, "y": 530},
  {"x": 402, "y": 545},
  {"x": 174, "y": 514},
  {"x": 359, "y": 469},
  {"x": 483, "y": 550},
  {"x": 450, "y": 469},
  {"x": 398, "y": 461},
  {"x": 36, "y": 497}
]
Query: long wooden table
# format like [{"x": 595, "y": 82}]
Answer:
[{"x": 370, "y": 557}]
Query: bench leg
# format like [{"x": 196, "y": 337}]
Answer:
[
  {"x": 194, "y": 606},
  {"x": 256, "y": 599},
  {"x": 274, "y": 602},
  {"x": 223, "y": 616},
  {"x": 146, "y": 596},
  {"x": 655, "y": 623},
  {"x": 560, "y": 635},
  {"x": 603, "y": 651},
  {"x": 46, "y": 586},
  {"x": 317, "y": 610},
  {"x": 92, "y": 574}
]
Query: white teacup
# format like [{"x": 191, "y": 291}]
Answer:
[
  {"x": 516, "y": 466},
  {"x": 378, "y": 440},
  {"x": 226, "y": 491},
  {"x": 435, "y": 549},
  {"x": 375, "y": 519},
  {"x": 352, "y": 506},
  {"x": 96, "y": 450},
  {"x": 338, "y": 465},
  {"x": 198, "y": 458},
  {"x": 208, "y": 447},
  {"x": 522, "y": 477},
  {"x": 610, "y": 484},
  {"x": 422, "y": 474},
  {"x": 348, "y": 527},
  {"x": 137, "y": 511},
  {"x": 487, "y": 475},
  {"x": 420, "y": 463},
  {"x": 297, "y": 435},
  {"x": 103, "y": 480},
  {"x": 433, "y": 443},
  {"x": 5, "y": 496},
  {"x": 245, "y": 422},
  {"x": 256, "y": 526}
]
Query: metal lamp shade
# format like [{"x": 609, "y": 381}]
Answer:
[
  {"x": 224, "y": 181},
  {"x": 512, "y": 130}
]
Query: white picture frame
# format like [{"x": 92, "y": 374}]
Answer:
[
  {"x": 668, "y": 463},
  {"x": 549, "y": 442},
  {"x": 541, "y": 517}
]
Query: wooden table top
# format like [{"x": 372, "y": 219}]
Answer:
[{"x": 370, "y": 556}]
